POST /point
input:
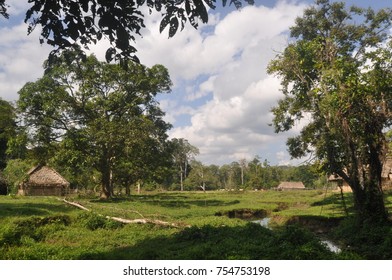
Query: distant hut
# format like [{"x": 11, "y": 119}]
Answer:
[
  {"x": 43, "y": 180},
  {"x": 338, "y": 182},
  {"x": 386, "y": 175},
  {"x": 285, "y": 186}
]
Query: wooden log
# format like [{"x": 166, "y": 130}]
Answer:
[
  {"x": 127, "y": 221},
  {"x": 76, "y": 205}
]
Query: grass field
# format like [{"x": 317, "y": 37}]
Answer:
[{"x": 48, "y": 228}]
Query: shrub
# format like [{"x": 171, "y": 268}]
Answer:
[
  {"x": 34, "y": 228},
  {"x": 94, "y": 221},
  {"x": 371, "y": 241}
]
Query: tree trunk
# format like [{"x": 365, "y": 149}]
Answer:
[
  {"x": 181, "y": 179},
  {"x": 138, "y": 187},
  {"x": 368, "y": 195},
  {"x": 373, "y": 206},
  {"x": 106, "y": 186},
  {"x": 369, "y": 204}
]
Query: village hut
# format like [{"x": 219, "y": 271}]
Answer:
[
  {"x": 43, "y": 180},
  {"x": 386, "y": 174},
  {"x": 337, "y": 182},
  {"x": 386, "y": 177},
  {"x": 285, "y": 186}
]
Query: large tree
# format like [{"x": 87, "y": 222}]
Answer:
[
  {"x": 66, "y": 22},
  {"x": 183, "y": 152},
  {"x": 7, "y": 129},
  {"x": 97, "y": 114},
  {"x": 336, "y": 74}
]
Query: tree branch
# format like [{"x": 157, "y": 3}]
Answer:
[{"x": 127, "y": 221}]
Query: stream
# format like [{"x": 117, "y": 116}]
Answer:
[{"x": 330, "y": 245}]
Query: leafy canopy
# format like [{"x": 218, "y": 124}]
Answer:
[
  {"x": 66, "y": 22},
  {"x": 337, "y": 75},
  {"x": 91, "y": 113},
  {"x": 7, "y": 129}
]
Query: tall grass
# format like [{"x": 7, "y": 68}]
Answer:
[{"x": 47, "y": 228}]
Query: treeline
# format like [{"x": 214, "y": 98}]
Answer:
[
  {"x": 248, "y": 175},
  {"x": 101, "y": 127}
]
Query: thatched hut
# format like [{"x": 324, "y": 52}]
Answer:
[
  {"x": 337, "y": 182},
  {"x": 285, "y": 186},
  {"x": 43, "y": 180},
  {"x": 386, "y": 177}
]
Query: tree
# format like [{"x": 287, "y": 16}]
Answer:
[
  {"x": 337, "y": 73},
  {"x": 7, "y": 129},
  {"x": 97, "y": 114},
  {"x": 202, "y": 176},
  {"x": 243, "y": 165},
  {"x": 3, "y": 9},
  {"x": 183, "y": 152},
  {"x": 68, "y": 22}
]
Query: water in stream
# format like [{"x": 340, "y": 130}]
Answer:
[
  {"x": 263, "y": 222},
  {"x": 330, "y": 245}
]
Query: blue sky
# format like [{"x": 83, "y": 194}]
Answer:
[{"x": 222, "y": 95}]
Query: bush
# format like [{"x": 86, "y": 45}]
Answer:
[
  {"x": 94, "y": 221},
  {"x": 34, "y": 228},
  {"x": 15, "y": 172},
  {"x": 371, "y": 241}
]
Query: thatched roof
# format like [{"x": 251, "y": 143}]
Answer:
[
  {"x": 334, "y": 177},
  {"x": 291, "y": 185},
  {"x": 385, "y": 174},
  {"x": 45, "y": 176}
]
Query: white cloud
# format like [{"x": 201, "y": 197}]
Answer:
[
  {"x": 21, "y": 59},
  {"x": 234, "y": 123},
  {"x": 17, "y": 7},
  {"x": 222, "y": 97}
]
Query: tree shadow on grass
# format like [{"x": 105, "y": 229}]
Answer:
[
  {"x": 31, "y": 209},
  {"x": 189, "y": 203},
  {"x": 223, "y": 243},
  {"x": 171, "y": 201},
  {"x": 336, "y": 203}
]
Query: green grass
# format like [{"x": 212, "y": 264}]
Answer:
[{"x": 47, "y": 228}]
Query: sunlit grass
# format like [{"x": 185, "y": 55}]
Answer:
[{"x": 48, "y": 228}]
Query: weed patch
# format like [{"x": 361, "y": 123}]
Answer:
[
  {"x": 32, "y": 229},
  {"x": 94, "y": 221},
  {"x": 371, "y": 241}
]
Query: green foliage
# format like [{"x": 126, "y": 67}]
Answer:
[
  {"x": 337, "y": 74},
  {"x": 7, "y": 129},
  {"x": 46, "y": 228},
  {"x": 15, "y": 172},
  {"x": 369, "y": 240},
  {"x": 34, "y": 228},
  {"x": 182, "y": 152},
  {"x": 94, "y": 221},
  {"x": 84, "y": 114},
  {"x": 65, "y": 22},
  {"x": 245, "y": 242}
]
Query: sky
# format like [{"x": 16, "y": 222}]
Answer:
[{"x": 221, "y": 97}]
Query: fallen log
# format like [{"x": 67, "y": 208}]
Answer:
[
  {"x": 127, "y": 221},
  {"x": 76, "y": 205}
]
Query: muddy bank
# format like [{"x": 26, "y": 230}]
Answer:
[
  {"x": 316, "y": 224},
  {"x": 245, "y": 214}
]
